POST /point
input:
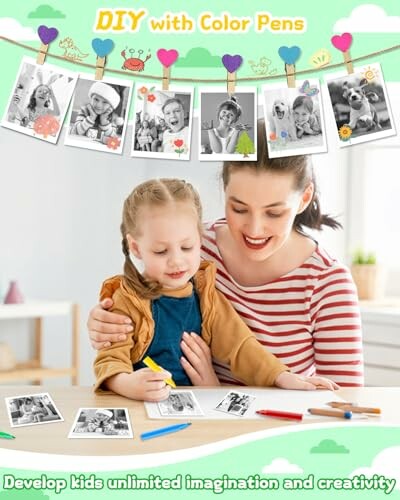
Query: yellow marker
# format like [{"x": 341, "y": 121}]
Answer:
[{"x": 154, "y": 366}]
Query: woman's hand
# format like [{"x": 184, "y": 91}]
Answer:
[
  {"x": 143, "y": 385},
  {"x": 197, "y": 362},
  {"x": 106, "y": 327},
  {"x": 288, "y": 380}
]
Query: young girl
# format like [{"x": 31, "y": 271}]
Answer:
[
  {"x": 144, "y": 137},
  {"x": 95, "y": 119},
  {"x": 306, "y": 121},
  {"x": 298, "y": 300},
  {"x": 175, "y": 130},
  {"x": 224, "y": 137},
  {"x": 41, "y": 102},
  {"x": 161, "y": 225}
]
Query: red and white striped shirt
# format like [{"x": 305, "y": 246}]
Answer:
[{"x": 309, "y": 318}]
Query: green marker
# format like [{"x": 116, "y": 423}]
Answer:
[{"x": 4, "y": 435}]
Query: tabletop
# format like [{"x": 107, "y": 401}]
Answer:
[{"x": 53, "y": 437}]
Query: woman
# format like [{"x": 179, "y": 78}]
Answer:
[{"x": 299, "y": 302}]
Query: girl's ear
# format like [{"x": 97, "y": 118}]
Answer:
[
  {"x": 306, "y": 198},
  {"x": 133, "y": 246}
]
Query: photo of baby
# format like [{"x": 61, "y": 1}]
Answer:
[
  {"x": 32, "y": 410},
  {"x": 360, "y": 105},
  {"x": 228, "y": 125},
  {"x": 99, "y": 114},
  {"x": 101, "y": 423},
  {"x": 163, "y": 121},
  {"x": 39, "y": 100},
  {"x": 294, "y": 119}
]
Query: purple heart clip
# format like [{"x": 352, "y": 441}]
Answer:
[{"x": 232, "y": 63}]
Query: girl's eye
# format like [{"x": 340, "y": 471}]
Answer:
[
  {"x": 274, "y": 215},
  {"x": 160, "y": 252},
  {"x": 187, "y": 249},
  {"x": 238, "y": 210}
]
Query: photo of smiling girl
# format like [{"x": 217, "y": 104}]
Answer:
[{"x": 166, "y": 116}]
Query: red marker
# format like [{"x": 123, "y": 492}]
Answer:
[{"x": 281, "y": 414}]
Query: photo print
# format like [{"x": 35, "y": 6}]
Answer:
[
  {"x": 32, "y": 409},
  {"x": 39, "y": 100},
  {"x": 294, "y": 119},
  {"x": 180, "y": 404},
  {"x": 101, "y": 423},
  {"x": 99, "y": 114},
  {"x": 235, "y": 403},
  {"x": 163, "y": 122},
  {"x": 360, "y": 105},
  {"x": 228, "y": 124}
]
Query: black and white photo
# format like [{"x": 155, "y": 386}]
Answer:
[
  {"x": 235, "y": 403},
  {"x": 32, "y": 409},
  {"x": 228, "y": 124},
  {"x": 180, "y": 403},
  {"x": 294, "y": 119},
  {"x": 99, "y": 114},
  {"x": 163, "y": 122},
  {"x": 39, "y": 100},
  {"x": 360, "y": 105},
  {"x": 101, "y": 423}
]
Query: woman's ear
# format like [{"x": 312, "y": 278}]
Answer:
[
  {"x": 306, "y": 198},
  {"x": 133, "y": 246}
]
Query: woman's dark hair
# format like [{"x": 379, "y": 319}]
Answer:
[
  {"x": 32, "y": 99},
  {"x": 300, "y": 167}
]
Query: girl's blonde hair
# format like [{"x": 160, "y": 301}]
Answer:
[{"x": 152, "y": 193}]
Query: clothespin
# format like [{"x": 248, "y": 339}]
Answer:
[
  {"x": 167, "y": 59},
  {"x": 46, "y": 35},
  {"x": 342, "y": 43},
  {"x": 232, "y": 64},
  {"x": 102, "y": 48},
  {"x": 289, "y": 55}
]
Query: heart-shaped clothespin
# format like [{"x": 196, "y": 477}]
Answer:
[
  {"x": 343, "y": 42},
  {"x": 46, "y": 35},
  {"x": 232, "y": 63},
  {"x": 102, "y": 47},
  {"x": 289, "y": 55},
  {"x": 167, "y": 59}
]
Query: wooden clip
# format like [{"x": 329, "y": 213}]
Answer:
[
  {"x": 41, "y": 57},
  {"x": 231, "y": 82},
  {"x": 165, "y": 77},
  {"x": 290, "y": 70},
  {"x": 348, "y": 62},
  {"x": 100, "y": 65}
]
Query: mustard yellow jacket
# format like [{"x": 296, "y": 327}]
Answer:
[{"x": 230, "y": 340}]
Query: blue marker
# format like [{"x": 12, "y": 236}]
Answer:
[{"x": 164, "y": 430}]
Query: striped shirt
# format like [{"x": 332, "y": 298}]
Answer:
[{"x": 309, "y": 318}]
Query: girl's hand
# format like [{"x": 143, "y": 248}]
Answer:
[
  {"x": 107, "y": 327},
  {"x": 197, "y": 362},
  {"x": 242, "y": 126},
  {"x": 207, "y": 125},
  {"x": 105, "y": 117},
  {"x": 143, "y": 385},
  {"x": 288, "y": 380},
  {"x": 91, "y": 112}
]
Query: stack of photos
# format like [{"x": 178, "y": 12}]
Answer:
[
  {"x": 32, "y": 409},
  {"x": 101, "y": 423},
  {"x": 99, "y": 114},
  {"x": 360, "y": 105},
  {"x": 228, "y": 125},
  {"x": 163, "y": 123},
  {"x": 294, "y": 119},
  {"x": 39, "y": 100}
]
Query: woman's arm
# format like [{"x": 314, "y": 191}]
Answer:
[
  {"x": 335, "y": 316},
  {"x": 105, "y": 327}
]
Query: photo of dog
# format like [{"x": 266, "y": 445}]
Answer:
[
  {"x": 283, "y": 119},
  {"x": 294, "y": 119},
  {"x": 360, "y": 105}
]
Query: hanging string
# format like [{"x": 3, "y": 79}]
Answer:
[{"x": 206, "y": 80}]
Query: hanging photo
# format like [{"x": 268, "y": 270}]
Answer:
[
  {"x": 99, "y": 114},
  {"x": 228, "y": 125},
  {"x": 360, "y": 105},
  {"x": 163, "y": 122},
  {"x": 39, "y": 100},
  {"x": 294, "y": 120}
]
